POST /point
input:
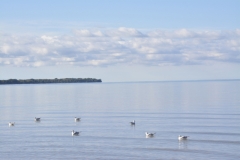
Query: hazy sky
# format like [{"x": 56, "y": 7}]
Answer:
[{"x": 127, "y": 40}]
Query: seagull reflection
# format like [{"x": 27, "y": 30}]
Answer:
[{"x": 182, "y": 144}]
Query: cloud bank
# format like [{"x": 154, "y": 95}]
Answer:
[{"x": 126, "y": 46}]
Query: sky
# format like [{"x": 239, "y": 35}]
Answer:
[{"x": 120, "y": 41}]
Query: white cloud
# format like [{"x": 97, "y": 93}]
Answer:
[
  {"x": 39, "y": 50},
  {"x": 49, "y": 39},
  {"x": 126, "y": 46},
  {"x": 183, "y": 33},
  {"x": 5, "y": 48}
]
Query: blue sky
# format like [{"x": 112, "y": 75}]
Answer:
[{"x": 136, "y": 40}]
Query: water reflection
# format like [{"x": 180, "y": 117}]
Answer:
[
  {"x": 133, "y": 127},
  {"x": 182, "y": 144}
]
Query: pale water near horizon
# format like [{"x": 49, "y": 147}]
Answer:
[{"x": 206, "y": 111}]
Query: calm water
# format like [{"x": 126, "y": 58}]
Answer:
[{"x": 207, "y": 111}]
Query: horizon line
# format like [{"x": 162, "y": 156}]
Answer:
[{"x": 172, "y": 81}]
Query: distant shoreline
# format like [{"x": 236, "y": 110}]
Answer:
[{"x": 56, "y": 80}]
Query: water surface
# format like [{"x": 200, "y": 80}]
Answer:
[{"x": 207, "y": 111}]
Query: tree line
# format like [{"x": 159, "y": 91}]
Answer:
[{"x": 56, "y": 80}]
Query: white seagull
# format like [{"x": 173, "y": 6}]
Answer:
[
  {"x": 75, "y": 133},
  {"x": 182, "y": 137},
  {"x": 11, "y": 123},
  {"x": 37, "y": 119},
  {"x": 77, "y": 119},
  {"x": 133, "y": 122},
  {"x": 149, "y": 134}
]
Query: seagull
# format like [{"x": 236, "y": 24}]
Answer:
[
  {"x": 149, "y": 134},
  {"x": 182, "y": 137},
  {"x": 11, "y": 123},
  {"x": 37, "y": 119},
  {"x": 133, "y": 122},
  {"x": 77, "y": 119},
  {"x": 75, "y": 133}
]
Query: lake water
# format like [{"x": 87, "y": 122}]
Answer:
[{"x": 206, "y": 111}]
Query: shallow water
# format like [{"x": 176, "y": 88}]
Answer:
[{"x": 207, "y": 111}]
